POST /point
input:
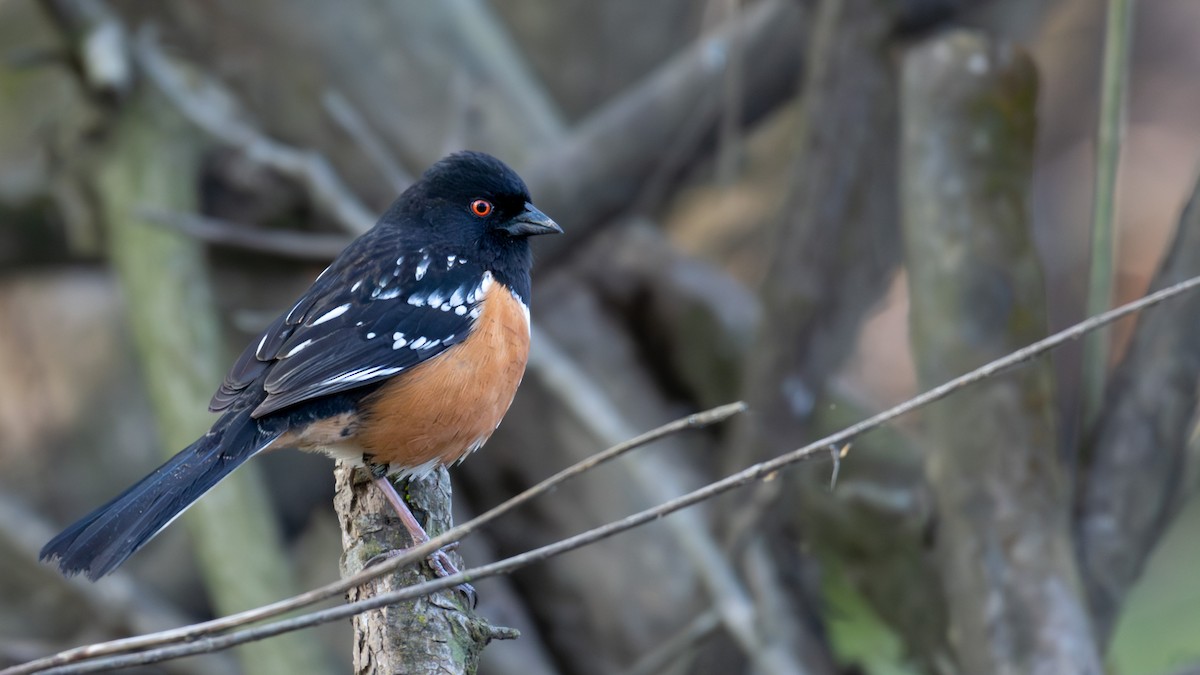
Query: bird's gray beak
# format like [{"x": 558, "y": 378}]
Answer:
[{"x": 531, "y": 222}]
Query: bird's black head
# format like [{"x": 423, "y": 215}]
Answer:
[
  {"x": 475, "y": 195},
  {"x": 471, "y": 204}
]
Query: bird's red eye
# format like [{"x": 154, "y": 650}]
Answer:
[{"x": 481, "y": 208}]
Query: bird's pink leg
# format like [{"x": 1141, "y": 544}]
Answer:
[{"x": 438, "y": 561}]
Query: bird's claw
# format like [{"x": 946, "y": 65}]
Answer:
[{"x": 442, "y": 567}]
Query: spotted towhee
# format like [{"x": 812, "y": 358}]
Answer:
[{"x": 403, "y": 355}]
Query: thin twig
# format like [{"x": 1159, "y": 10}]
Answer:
[
  {"x": 1114, "y": 74},
  {"x": 729, "y": 128},
  {"x": 372, "y": 144},
  {"x": 835, "y": 455},
  {"x": 187, "y": 633},
  {"x": 754, "y": 473},
  {"x": 657, "y": 480},
  {"x": 292, "y": 244},
  {"x": 671, "y": 649}
]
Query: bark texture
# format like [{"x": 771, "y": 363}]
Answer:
[{"x": 434, "y": 634}]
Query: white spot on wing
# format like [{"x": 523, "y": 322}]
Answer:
[
  {"x": 422, "y": 267},
  {"x": 297, "y": 349},
  {"x": 370, "y": 336},
  {"x": 291, "y": 315},
  {"x": 418, "y": 343},
  {"x": 387, "y": 295},
  {"x": 398, "y": 340},
  {"x": 362, "y": 374},
  {"x": 450, "y": 261},
  {"x": 481, "y": 290},
  {"x": 331, "y": 314},
  {"x": 357, "y": 285}
]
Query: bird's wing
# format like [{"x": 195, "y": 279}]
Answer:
[{"x": 359, "y": 323}]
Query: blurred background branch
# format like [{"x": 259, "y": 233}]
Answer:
[
  {"x": 1137, "y": 479},
  {"x": 976, "y": 289},
  {"x": 170, "y": 306}
]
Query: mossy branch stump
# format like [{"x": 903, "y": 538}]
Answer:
[{"x": 438, "y": 633}]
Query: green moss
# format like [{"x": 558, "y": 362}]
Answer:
[
  {"x": 1159, "y": 631},
  {"x": 370, "y": 549},
  {"x": 857, "y": 635}
]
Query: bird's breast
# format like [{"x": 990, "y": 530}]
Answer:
[{"x": 441, "y": 410}]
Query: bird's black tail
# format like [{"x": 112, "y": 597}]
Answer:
[{"x": 102, "y": 540}]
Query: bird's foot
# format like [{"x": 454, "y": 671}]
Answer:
[{"x": 441, "y": 564}]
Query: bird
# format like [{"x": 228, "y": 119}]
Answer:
[{"x": 403, "y": 355}]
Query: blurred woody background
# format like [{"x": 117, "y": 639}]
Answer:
[{"x": 821, "y": 207}]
